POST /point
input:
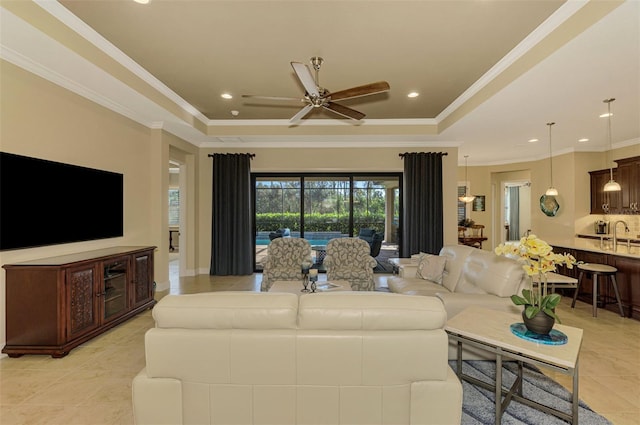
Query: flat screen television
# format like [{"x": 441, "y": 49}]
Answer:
[{"x": 48, "y": 203}]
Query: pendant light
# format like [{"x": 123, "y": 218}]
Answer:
[
  {"x": 552, "y": 191},
  {"x": 612, "y": 185},
  {"x": 466, "y": 198}
]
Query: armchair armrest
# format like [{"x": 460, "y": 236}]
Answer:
[{"x": 371, "y": 262}]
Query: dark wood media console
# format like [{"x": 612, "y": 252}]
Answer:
[{"x": 55, "y": 304}]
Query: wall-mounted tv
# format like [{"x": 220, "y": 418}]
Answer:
[{"x": 47, "y": 203}]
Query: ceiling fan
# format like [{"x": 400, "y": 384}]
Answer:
[{"x": 319, "y": 97}]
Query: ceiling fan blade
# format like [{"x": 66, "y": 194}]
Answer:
[
  {"x": 304, "y": 111},
  {"x": 367, "y": 89},
  {"x": 297, "y": 99},
  {"x": 344, "y": 111},
  {"x": 306, "y": 78}
]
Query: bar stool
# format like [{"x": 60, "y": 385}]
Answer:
[{"x": 596, "y": 270}]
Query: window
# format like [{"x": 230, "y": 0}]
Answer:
[
  {"x": 174, "y": 207},
  {"x": 462, "y": 206}
]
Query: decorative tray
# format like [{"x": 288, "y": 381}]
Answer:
[
  {"x": 555, "y": 337},
  {"x": 327, "y": 286}
]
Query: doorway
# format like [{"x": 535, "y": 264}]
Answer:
[
  {"x": 174, "y": 220},
  {"x": 516, "y": 210}
]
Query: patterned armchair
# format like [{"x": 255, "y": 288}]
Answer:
[
  {"x": 349, "y": 259},
  {"x": 286, "y": 257}
]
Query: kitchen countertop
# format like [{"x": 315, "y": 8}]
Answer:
[
  {"x": 608, "y": 236},
  {"x": 592, "y": 243}
]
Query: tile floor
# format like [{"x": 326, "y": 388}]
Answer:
[{"x": 92, "y": 385}]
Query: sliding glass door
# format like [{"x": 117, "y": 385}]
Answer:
[
  {"x": 321, "y": 207},
  {"x": 326, "y": 207}
]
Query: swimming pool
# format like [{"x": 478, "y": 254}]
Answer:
[{"x": 313, "y": 242}]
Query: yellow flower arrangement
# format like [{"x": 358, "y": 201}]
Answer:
[{"x": 539, "y": 259}]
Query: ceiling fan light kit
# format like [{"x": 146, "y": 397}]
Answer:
[{"x": 318, "y": 97}]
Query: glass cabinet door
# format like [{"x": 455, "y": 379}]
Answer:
[{"x": 115, "y": 287}]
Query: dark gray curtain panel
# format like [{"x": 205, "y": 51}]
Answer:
[
  {"x": 231, "y": 239},
  {"x": 514, "y": 213},
  {"x": 422, "y": 224}
]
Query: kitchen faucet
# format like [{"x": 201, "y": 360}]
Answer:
[{"x": 615, "y": 235}]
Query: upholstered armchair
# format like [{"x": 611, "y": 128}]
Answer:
[
  {"x": 349, "y": 259},
  {"x": 285, "y": 259}
]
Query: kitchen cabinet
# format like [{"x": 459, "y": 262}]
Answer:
[
  {"x": 55, "y": 304},
  {"x": 629, "y": 179},
  {"x": 627, "y": 200},
  {"x": 627, "y": 277},
  {"x": 603, "y": 202}
]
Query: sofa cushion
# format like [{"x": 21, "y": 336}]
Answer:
[
  {"x": 370, "y": 311},
  {"x": 487, "y": 273},
  {"x": 457, "y": 302},
  {"x": 431, "y": 267},
  {"x": 414, "y": 286},
  {"x": 227, "y": 310},
  {"x": 455, "y": 254}
]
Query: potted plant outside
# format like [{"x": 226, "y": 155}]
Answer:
[{"x": 538, "y": 259}]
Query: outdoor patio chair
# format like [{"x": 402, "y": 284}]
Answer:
[
  {"x": 349, "y": 259},
  {"x": 280, "y": 233},
  {"x": 285, "y": 259}
]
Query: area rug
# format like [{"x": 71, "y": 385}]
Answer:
[{"x": 478, "y": 405}]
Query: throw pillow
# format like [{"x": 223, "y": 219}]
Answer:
[{"x": 431, "y": 267}]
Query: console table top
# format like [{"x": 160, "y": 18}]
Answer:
[{"x": 62, "y": 260}]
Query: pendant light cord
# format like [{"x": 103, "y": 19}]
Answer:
[
  {"x": 465, "y": 175},
  {"x": 550, "y": 156},
  {"x": 608, "y": 101}
]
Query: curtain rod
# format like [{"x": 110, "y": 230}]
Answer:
[
  {"x": 402, "y": 155},
  {"x": 251, "y": 155}
]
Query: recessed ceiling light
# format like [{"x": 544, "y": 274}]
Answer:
[
  {"x": 413, "y": 94},
  {"x": 142, "y": 1},
  {"x": 533, "y": 140},
  {"x": 226, "y": 96},
  {"x": 584, "y": 139}
]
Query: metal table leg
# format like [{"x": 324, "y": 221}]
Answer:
[{"x": 498, "y": 388}]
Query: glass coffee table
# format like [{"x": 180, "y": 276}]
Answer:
[
  {"x": 490, "y": 330},
  {"x": 295, "y": 286}
]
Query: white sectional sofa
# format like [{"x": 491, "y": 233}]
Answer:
[
  {"x": 468, "y": 276},
  {"x": 279, "y": 358},
  {"x": 462, "y": 276}
]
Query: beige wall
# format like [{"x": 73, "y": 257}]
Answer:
[{"x": 42, "y": 120}]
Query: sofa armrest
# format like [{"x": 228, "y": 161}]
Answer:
[
  {"x": 437, "y": 402},
  {"x": 156, "y": 401},
  {"x": 408, "y": 270},
  {"x": 455, "y": 302}
]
